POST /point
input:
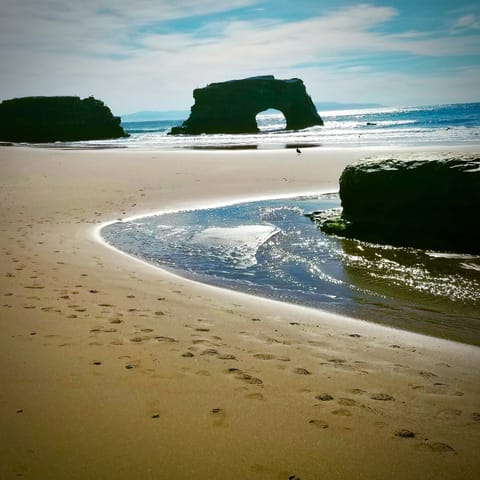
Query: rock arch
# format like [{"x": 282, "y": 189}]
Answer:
[{"x": 232, "y": 106}]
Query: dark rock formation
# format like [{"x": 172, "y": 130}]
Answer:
[
  {"x": 231, "y": 107},
  {"x": 430, "y": 204},
  {"x": 50, "y": 119}
]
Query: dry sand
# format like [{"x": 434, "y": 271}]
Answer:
[{"x": 111, "y": 369}]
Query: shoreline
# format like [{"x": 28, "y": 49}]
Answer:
[
  {"x": 116, "y": 369},
  {"x": 411, "y": 337},
  {"x": 377, "y": 328},
  {"x": 246, "y": 148}
]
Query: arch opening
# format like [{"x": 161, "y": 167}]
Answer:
[{"x": 271, "y": 120}]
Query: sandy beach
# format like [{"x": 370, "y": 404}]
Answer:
[{"x": 114, "y": 369}]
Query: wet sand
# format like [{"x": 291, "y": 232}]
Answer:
[{"x": 112, "y": 369}]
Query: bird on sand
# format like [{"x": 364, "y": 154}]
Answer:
[{"x": 299, "y": 151}]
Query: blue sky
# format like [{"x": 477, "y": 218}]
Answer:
[{"x": 151, "y": 54}]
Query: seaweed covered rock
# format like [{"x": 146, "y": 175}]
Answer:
[
  {"x": 425, "y": 203},
  {"x": 51, "y": 119},
  {"x": 231, "y": 107}
]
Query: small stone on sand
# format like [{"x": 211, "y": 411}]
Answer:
[{"x": 324, "y": 397}]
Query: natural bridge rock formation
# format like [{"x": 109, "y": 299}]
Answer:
[
  {"x": 231, "y": 107},
  {"x": 51, "y": 119},
  {"x": 430, "y": 204}
]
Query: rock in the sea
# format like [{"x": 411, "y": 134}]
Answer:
[
  {"x": 424, "y": 203},
  {"x": 51, "y": 119},
  {"x": 231, "y": 107}
]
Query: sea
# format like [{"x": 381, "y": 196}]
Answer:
[
  {"x": 270, "y": 248},
  {"x": 456, "y": 124}
]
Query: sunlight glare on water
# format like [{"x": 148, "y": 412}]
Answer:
[{"x": 270, "y": 248}]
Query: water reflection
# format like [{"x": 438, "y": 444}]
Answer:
[
  {"x": 424, "y": 292},
  {"x": 269, "y": 248}
]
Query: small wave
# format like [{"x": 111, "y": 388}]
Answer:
[{"x": 239, "y": 243}]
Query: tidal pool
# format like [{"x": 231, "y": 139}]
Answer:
[{"x": 269, "y": 248}]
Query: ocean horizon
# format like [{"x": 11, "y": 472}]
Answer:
[
  {"x": 385, "y": 126},
  {"x": 450, "y": 124}
]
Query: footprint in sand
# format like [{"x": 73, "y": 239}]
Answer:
[
  {"x": 209, "y": 351},
  {"x": 276, "y": 340},
  {"x": 404, "y": 433},
  {"x": 226, "y": 356},
  {"x": 302, "y": 371},
  {"x": 132, "y": 364},
  {"x": 232, "y": 370},
  {"x": 436, "y": 447},
  {"x": 347, "y": 402},
  {"x": 385, "y": 397},
  {"x": 357, "y": 391},
  {"x": 264, "y": 356},
  {"x": 336, "y": 361},
  {"x": 219, "y": 417},
  {"x": 163, "y": 339},
  {"x": 254, "y": 396},
  {"x": 449, "y": 413},
  {"x": 247, "y": 378},
  {"x": 324, "y": 397},
  {"x": 342, "y": 412},
  {"x": 139, "y": 339},
  {"x": 204, "y": 342},
  {"x": 318, "y": 423}
]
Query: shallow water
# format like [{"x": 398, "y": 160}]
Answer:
[{"x": 269, "y": 248}]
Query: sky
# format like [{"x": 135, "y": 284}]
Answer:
[{"x": 151, "y": 54}]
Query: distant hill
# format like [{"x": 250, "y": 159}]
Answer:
[
  {"x": 151, "y": 115},
  {"x": 148, "y": 116},
  {"x": 323, "y": 106}
]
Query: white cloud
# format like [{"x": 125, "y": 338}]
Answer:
[
  {"x": 86, "y": 48},
  {"x": 393, "y": 89},
  {"x": 467, "y": 22}
]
